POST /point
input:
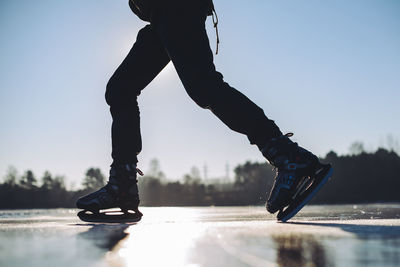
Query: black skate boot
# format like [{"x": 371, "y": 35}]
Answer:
[
  {"x": 299, "y": 176},
  {"x": 121, "y": 192}
]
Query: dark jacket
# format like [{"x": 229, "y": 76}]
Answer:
[{"x": 142, "y": 8}]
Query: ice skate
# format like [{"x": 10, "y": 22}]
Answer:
[
  {"x": 120, "y": 192},
  {"x": 299, "y": 176}
]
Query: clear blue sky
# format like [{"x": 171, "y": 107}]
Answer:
[{"x": 327, "y": 70}]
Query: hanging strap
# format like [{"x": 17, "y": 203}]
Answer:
[{"x": 215, "y": 23}]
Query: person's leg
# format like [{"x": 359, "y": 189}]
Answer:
[
  {"x": 142, "y": 64},
  {"x": 145, "y": 60},
  {"x": 181, "y": 28}
]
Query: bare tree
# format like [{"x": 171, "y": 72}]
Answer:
[
  {"x": 28, "y": 180},
  {"x": 155, "y": 169},
  {"x": 11, "y": 176},
  {"x": 392, "y": 143},
  {"x": 94, "y": 179},
  {"x": 356, "y": 148}
]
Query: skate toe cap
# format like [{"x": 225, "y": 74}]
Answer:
[
  {"x": 83, "y": 203},
  {"x": 80, "y": 203},
  {"x": 270, "y": 208}
]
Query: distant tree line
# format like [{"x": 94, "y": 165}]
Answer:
[
  {"x": 25, "y": 192},
  {"x": 358, "y": 178}
]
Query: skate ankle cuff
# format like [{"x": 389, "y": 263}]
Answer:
[
  {"x": 124, "y": 174},
  {"x": 277, "y": 149}
]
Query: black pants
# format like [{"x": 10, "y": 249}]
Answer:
[{"x": 178, "y": 34}]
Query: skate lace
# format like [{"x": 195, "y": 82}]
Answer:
[
  {"x": 289, "y": 134},
  {"x": 275, "y": 167},
  {"x": 288, "y": 179},
  {"x": 139, "y": 172}
]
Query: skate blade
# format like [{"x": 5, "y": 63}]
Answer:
[
  {"x": 110, "y": 217},
  {"x": 304, "y": 185},
  {"x": 302, "y": 199}
]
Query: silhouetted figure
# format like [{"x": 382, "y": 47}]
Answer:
[{"x": 176, "y": 32}]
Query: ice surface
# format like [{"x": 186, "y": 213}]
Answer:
[{"x": 343, "y": 235}]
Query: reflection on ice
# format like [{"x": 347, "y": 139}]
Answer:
[
  {"x": 149, "y": 246},
  {"x": 205, "y": 236},
  {"x": 247, "y": 236},
  {"x": 156, "y": 242},
  {"x": 105, "y": 236},
  {"x": 299, "y": 250}
]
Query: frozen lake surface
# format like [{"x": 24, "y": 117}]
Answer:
[{"x": 342, "y": 235}]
